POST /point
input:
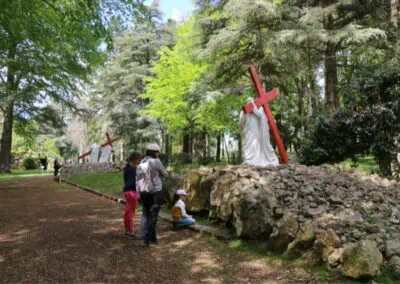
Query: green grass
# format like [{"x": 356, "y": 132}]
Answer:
[
  {"x": 366, "y": 164},
  {"x": 15, "y": 174},
  {"x": 257, "y": 250},
  {"x": 110, "y": 183}
]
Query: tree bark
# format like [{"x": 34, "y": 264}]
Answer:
[
  {"x": 121, "y": 153},
  {"x": 218, "y": 156},
  {"x": 167, "y": 148},
  {"x": 227, "y": 151},
  {"x": 204, "y": 145},
  {"x": 314, "y": 97},
  {"x": 186, "y": 144},
  {"x": 394, "y": 11},
  {"x": 6, "y": 138},
  {"x": 385, "y": 165},
  {"x": 331, "y": 78}
]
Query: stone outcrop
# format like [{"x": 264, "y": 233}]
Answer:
[
  {"x": 394, "y": 265},
  {"x": 362, "y": 260},
  {"x": 199, "y": 183},
  {"x": 392, "y": 248},
  {"x": 304, "y": 240},
  {"x": 316, "y": 213},
  {"x": 170, "y": 185}
]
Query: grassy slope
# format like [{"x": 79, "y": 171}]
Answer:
[
  {"x": 110, "y": 183},
  {"x": 23, "y": 174}
]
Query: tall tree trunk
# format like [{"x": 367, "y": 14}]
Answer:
[
  {"x": 6, "y": 138},
  {"x": 218, "y": 156},
  {"x": 204, "y": 145},
  {"x": 186, "y": 144},
  {"x": 226, "y": 150},
  {"x": 331, "y": 78},
  {"x": 121, "y": 151},
  {"x": 314, "y": 97},
  {"x": 8, "y": 109},
  {"x": 207, "y": 145},
  {"x": 167, "y": 148},
  {"x": 239, "y": 159},
  {"x": 394, "y": 11},
  {"x": 385, "y": 165}
]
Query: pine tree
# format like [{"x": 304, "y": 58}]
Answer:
[
  {"x": 336, "y": 26},
  {"x": 124, "y": 78},
  {"x": 47, "y": 50}
]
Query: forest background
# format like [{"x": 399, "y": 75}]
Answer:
[{"x": 73, "y": 70}]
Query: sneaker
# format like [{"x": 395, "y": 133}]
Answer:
[{"x": 132, "y": 236}]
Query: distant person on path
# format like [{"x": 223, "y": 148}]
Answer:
[
  {"x": 131, "y": 195},
  {"x": 179, "y": 215},
  {"x": 44, "y": 163},
  {"x": 149, "y": 183},
  {"x": 57, "y": 167}
]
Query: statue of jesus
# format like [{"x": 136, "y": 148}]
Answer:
[
  {"x": 257, "y": 149},
  {"x": 94, "y": 156}
]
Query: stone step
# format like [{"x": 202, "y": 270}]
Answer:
[{"x": 225, "y": 234}]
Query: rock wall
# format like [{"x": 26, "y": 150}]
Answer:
[
  {"x": 71, "y": 170},
  {"x": 317, "y": 213}
]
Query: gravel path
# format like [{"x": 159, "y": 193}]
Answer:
[{"x": 52, "y": 232}]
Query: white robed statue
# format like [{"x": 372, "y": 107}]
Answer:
[
  {"x": 94, "y": 155},
  {"x": 105, "y": 154},
  {"x": 257, "y": 149}
]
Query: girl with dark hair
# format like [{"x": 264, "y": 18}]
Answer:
[{"x": 131, "y": 196}]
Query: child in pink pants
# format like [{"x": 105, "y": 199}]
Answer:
[{"x": 131, "y": 196}]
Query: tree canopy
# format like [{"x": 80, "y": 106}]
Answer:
[{"x": 183, "y": 84}]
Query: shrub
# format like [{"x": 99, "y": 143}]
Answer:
[
  {"x": 348, "y": 133},
  {"x": 336, "y": 138},
  {"x": 30, "y": 164}
]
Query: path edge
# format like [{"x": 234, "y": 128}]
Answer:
[{"x": 196, "y": 228}]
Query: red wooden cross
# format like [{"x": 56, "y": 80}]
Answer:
[
  {"x": 108, "y": 142},
  {"x": 263, "y": 100}
]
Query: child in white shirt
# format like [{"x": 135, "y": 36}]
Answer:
[{"x": 179, "y": 215}]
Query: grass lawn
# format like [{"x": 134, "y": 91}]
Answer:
[
  {"x": 110, "y": 183},
  {"x": 366, "y": 164},
  {"x": 256, "y": 250},
  {"x": 23, "y": 174}
]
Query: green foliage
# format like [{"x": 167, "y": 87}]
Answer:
[
  {"x": 48, "y": 49},
  {"x": 22, "y": 173},
  {"x": 348, "y": 133},
  {"x": 30, "y": 164},
  {"x": 169, "y": 90},
  {"x": 366, "y": 164},
  {"x": 124, "y": 79}
]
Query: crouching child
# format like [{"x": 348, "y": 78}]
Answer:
[{"x": 180, "y": 217}]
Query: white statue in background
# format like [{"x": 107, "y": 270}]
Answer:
[
  {"x": 105, "y": 154},
  {"x": 256, "y": 145},
  {"x": 94, "y": 156}
]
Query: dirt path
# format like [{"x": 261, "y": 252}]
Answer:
[{"x": 51, "y": 232}]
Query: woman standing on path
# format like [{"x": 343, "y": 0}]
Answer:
[
  {"x": 152, "y": 200},
  {"x": 131, "y": 196},
  {"x": 56, "y": 167}
]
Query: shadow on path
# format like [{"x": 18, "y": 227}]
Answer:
[{"x": 52, "y": 232}]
